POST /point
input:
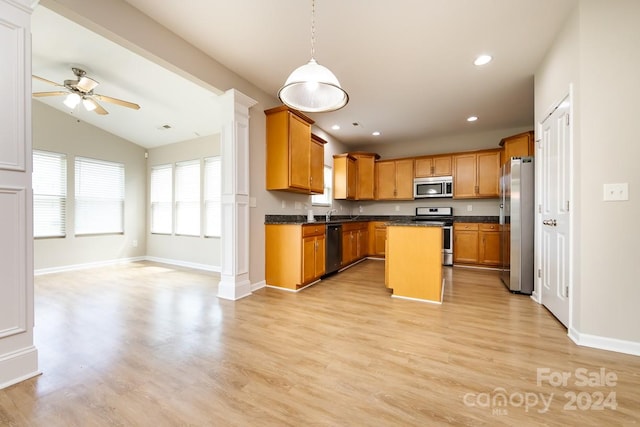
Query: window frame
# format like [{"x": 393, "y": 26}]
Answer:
[
  {"x": 325, "y": 199},
  {"x": 180, "y": 229},
  {"x": 168, "y": 187}
]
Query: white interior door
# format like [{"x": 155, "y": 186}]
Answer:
[{"x": 554, "y": 153}]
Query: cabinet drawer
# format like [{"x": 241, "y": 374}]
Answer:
[
  {"x": 465, "y": 226},
  {"x": 312, "y": 230},
  {"x": 489, "y": 227},
  {"x": 350, "y": 226}
]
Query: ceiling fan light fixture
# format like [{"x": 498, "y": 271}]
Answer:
[
  {"x": 313, "y": 88},
  {"x": 72, "y": 100},
  {"x": 85, "y": 84},
  {"x": 89, "y": 104}
]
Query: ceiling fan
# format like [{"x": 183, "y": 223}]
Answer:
[{"x": 81, "y": 90}]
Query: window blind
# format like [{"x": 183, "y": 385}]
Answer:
[
  {"x": 99, "y": 197},
  {"x": 49, "y": 194},
  {"x": 161, "y": 199},
  {"x": 188, "y": 198},
  {"x": 212, "y": 196},
  {"x": 324, "y": 199}
]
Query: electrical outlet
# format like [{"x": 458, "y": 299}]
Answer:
[
  {"x": 134, "y": 243},
  {"x": 297, "y": 205},
  {"x": 469, "y": 208},
  {"x": 253, "y": 202},
  {"x": 616, "y": 192},
  {"x": 284, "y": 204},
  {"x": 397, "y": 208},
  {"x": 360, "y": 209}
]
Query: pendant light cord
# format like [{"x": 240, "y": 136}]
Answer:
[{"x": 313, "y": 29}]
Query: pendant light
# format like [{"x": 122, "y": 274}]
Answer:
[{"x": 313, "y": 88}]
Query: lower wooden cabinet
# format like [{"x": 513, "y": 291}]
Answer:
[
  {"x": 294, "y": 254},
  {"x": 355, "y": 241},
  {"x": 489, "y": 244},
  {"x": 476, "y": 244},
  {"x": 377, "y": 238}
]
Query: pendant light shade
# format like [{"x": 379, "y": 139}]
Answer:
[{"x": 313, "y": 88}]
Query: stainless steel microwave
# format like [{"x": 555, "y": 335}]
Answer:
[{"x": 439, "y": 186}]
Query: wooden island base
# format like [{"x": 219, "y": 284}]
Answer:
[{"x": 413, "y": 267}]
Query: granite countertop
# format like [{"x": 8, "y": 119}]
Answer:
[{"x": 395, "y": 219}]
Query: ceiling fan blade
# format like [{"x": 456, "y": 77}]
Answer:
[
  {"x": 117, "y": 101},
  {"x": 46, "y": 81},
  {"x": 98, "y": 109},
  {"x": 41, "y": 94}
]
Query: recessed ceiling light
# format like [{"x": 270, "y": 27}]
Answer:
[
  {"x": 335, "y": 127},
  {"x": 483, "y": 60},
  {"x": 472, "y": 118},
  {"x": 376, "y": 133}
]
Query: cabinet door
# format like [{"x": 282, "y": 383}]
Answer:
[
  {"x": 464, "y": 175},
  {"x": 299, "y": 146},
  {"x": 352, "y": 178},
  {"x": 489, "y": 249},
  {"x": 320, "y": 256},
  {"x": 363, "y": 243},
  {"x": 385, "y": 180},
  {"x": 380, "y": 238},
  {"x": 346, "y": 247},
  {"x": 404, "y": 179},
  {"x": 442, "y": 166},
  {"x": 488, "y": 174},
  {"x": 465, "y": 246},
  {"x": 520, "y": 145},
  {"x": 423, "y": 167},
  {"x": 365, "y": 166},
  {"x": 316, "y": 162},
  {"x": 308, "y": 258}
]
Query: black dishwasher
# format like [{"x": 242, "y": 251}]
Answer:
[{"x": 333, "y": 255}]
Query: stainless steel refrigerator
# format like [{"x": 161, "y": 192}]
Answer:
[{"x": 517, "y": 221}]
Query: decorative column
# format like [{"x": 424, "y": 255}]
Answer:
[
  {"x": 18, "y": 355},
  {"x": 234, "y": 150}
]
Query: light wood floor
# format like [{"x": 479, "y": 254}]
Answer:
[{"x": 151, "y": 345}]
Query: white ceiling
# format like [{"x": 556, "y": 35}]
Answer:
[{"x": 407, "y": 64}]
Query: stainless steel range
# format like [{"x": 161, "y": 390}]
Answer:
[{"x": 445, "y": 217}]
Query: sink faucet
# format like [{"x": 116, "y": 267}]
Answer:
[{"x": 327, "y": 217}]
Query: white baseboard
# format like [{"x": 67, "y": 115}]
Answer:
[
  {"x": 73, "y": 267},
  {"x": 18, "y": 366},
  {"x": 179, "y": 263},
  {"x": 605, "y": 343},
  {"x": 258, "y": 285}
]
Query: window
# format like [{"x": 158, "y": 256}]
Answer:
[
  {"x": 324, "y": 199},
  {"x": 188, "y": 198},
  {"x": 99, "y": 196},
  {"x": 49, "y": 194},
  {"x": 161, "y": 199},
  {"x": 212, "y": 196}
]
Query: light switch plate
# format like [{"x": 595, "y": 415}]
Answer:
[
  {"x": 297, "y": 205},
  {"x": 253, "y": 202},
  {"x": 616, "y": 192}
]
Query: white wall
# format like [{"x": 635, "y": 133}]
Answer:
[
  {"x": 598, "y": 53},
  {"x": 56, "y": 131},
  {"x": 198, "y": 251}
]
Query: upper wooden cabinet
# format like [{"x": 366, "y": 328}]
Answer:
[
  {"x": 354, "y": 176},
  {"x": 520, "y": 145},
  {"x": 433, "y": 166},
  {"x": 476, "y": 174},
  {"x": 294, "y": 160},
  {"x": 394, "y": 179}
]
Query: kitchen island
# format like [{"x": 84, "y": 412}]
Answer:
[{"x": 413, "y": 266}]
